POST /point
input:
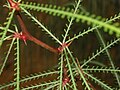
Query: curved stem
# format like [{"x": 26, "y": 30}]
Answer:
[{"x": 31, "y": 38}]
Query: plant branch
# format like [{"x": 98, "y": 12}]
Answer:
[{"x": 30, "y": 37}]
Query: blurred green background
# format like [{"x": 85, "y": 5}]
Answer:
[{"x": 34, "y": 58}]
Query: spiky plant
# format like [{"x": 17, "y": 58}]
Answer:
[{"x": 71, "y": 73}]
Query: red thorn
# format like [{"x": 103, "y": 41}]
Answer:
[
  {"x": 14, "y": 5},
  {"x": 65, "y": 81},
  {"x": 64, "y": 45},
  {"x": 23, "y": 37},
  {"x": 20, "y": 36}
]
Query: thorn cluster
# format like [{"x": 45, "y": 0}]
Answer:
[
  {"x": 14, "y": 5},
  {"x": 21, "y": 36}
]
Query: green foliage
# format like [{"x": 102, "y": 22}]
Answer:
[
  {"x": 78, "y": 17},
  {"x": 70, "y": 69},
  {"x": 7, "y": 24}
]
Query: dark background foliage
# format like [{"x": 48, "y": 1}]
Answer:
[{"x": 35, "y": 58}]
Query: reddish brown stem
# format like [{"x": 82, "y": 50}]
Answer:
[
  {"x": 85, "y": 75},
  {"x": 15, "y": 5},
  {"x": 66, "y": 79},
  {"x": 30, "y": 37}
]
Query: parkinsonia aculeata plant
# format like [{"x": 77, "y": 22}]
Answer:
[{"x": 71, "y": 73}]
